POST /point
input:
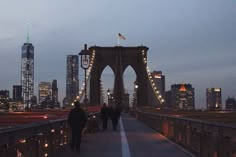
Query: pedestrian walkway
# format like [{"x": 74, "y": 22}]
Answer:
[{"x": 131, "y": 139}]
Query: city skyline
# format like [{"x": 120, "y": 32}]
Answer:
[{"x": 190, "y": 42}]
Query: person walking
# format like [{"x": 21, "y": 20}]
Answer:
[
  {"x": 115, "y": 115},
  {"x": 104, "y": 116},
  {"x": 76, "y": 120}
]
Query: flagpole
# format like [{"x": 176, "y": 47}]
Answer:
[{"x": 118, "y": 41}]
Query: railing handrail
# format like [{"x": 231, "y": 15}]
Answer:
[
  {"x": 33, "y": 129},
  {"x": 191, "y": 120},
  {"x": 35, "y": 124},
  {"x": 28, "y": 125}
]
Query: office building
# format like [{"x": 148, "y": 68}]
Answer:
[
  {"x": 159, "y": 81},
  {"x": 34, "y": 102},
  {"x": 213, "y": 98},
  {"x": 72, "y": 81},
  {"x": 4, "y": 95},
  {"x": 45, "y": 93},
  {"x": 17, "y": 93},
  {"x": 230, "y": 103},
  {"x": 182, "y": 97},
  {"x": 4, "y": 99},
  {"x": 168, "y": 99},
  {"x": 27, "y": 73},
  {"x": 54, "y": 92}
]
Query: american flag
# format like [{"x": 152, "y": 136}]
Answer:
[{"x": 121, "y": 36}]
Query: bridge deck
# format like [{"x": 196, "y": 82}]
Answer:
[{"x": 132, "y": 139}]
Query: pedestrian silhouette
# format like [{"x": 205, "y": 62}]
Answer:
[
  {"x": 77, "y": 120},
  {"x": 104, "y": 116},
  {"x": 114, "y": 113}
]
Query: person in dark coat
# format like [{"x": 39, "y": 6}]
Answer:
[
  {"x": 104, "y": 116},
  {"x": 114, "y": 113},
  {"x": 77, "y": 120}
]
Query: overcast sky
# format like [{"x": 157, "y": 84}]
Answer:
[{"x": 190, "y": 41}]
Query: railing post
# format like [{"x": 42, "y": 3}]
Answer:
[
  {"x": 220, "y": 143},
  {"x": 36, "y": 149},
  {"x": 201, "y": 141},
  {"x": 11, "y": 150}
]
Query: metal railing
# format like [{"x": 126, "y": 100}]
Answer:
[
  {"x": 204, "y": 139},
  {"x": 39, "y": 139}
]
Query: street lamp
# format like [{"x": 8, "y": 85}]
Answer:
[
  {"x": 136, "y": 94},
  {"x": 84, "y": 63},
  {"x": 108, "y": 96}
]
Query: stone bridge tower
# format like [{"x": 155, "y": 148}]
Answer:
[{"x": 118, "y": 58}]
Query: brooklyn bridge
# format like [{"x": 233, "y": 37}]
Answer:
[{"x": 145, "y": 129}]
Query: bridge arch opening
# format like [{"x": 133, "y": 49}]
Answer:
[
  {"x": 107, "y": 83},
  {"x": 129, "y": 77}
]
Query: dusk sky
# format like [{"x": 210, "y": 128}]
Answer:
[{"x": 190, "y": 41}]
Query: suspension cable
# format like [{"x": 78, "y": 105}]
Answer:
[{"x": 155, "y": 89}]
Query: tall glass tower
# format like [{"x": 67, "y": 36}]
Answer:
[
  {"x": 72, "y": 81},
  {"x": 54, "y": 93},
  {"x": 27, "y": 72}
]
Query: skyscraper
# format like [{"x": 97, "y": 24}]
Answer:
[
  {"x": 17, "y": 93},
  {"x": 27, "y": 72},
  {"x": 182, "y": 97},
  {"x": 72, "y": 81},
  {"x": 168, "y": 99},
  {"x": 54, "y": 92},
  {"x": 213, "y": 98},
  {"x": 159, "y": 81},
  {"x": 45, "y": 92}
]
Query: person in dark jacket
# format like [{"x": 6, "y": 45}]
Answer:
[
  {"x": 104, "y": 116},
  {"x": 114, "y": 113},
  {"x": 77, "y": 120}
]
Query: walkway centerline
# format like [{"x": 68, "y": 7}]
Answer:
[{"x": 124, "y": 142}]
